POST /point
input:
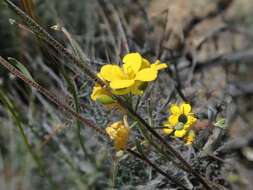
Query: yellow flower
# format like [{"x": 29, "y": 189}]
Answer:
[
  {"x": 119, "y": 133},
  {"x": 130, "y": 77},
  {"x": 101, "y": 95},
  {"x": 180, "y": 121}
]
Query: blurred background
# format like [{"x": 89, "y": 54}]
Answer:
[{"x": 209, "y": 41}]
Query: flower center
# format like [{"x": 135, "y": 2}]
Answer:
[
  {"x": 130, "y": 72},
  {"x": 182, "y": 118}
]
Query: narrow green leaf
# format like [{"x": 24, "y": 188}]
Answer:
[
  {"x": 21, "y": 67},
  {"x": 139, "y": 147},
  {"x": 9, "y": 105}
]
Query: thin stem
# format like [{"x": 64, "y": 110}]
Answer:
[
  {"x": 42, "y": 34},
  {"x": 137, "y": 104},
  {"x": 178, "y": 86},
  {"x": 114, "y": 172},
  {"x": 35, "y": 157},
  {"x": 51, "y": 96},
  {"x": 78, "y": 123},
  {"x": 145, "y": 159}
]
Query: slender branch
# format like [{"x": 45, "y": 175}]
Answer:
[
  {"x": 51, "y": 96},
  {"x": 178, "y": 85},
  {"x": 42, "y": 34}
]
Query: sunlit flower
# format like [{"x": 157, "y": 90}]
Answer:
[
  {"x": 130, "y": 78},
  {"x": 119, "y": 133},
  {"x": 180, "y": 121}
]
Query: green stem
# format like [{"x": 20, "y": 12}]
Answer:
[
  {"x": 17, "y": 122},
  {"x": 73, "y": 91}
]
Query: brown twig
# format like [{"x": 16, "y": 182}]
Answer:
[
  {"x": 52, "y": 97},
  {"x": 145, "y": 159}
]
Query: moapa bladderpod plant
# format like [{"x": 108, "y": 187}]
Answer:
[{"x": 118, "y": 84}]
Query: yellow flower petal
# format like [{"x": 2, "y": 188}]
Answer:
[
  {"x": 173, "y": 119},
  {"x": 145, "y": 63},
  {"x": 185, "y": 108},
  {"x": 118, "y": 84},
  {"x": 167, "y": 124},
  {"x": 111, "y": 132},
  {"x": 168, "y": 129},
  {"x": 146, "y": 75},
  {"x": 175, "y": 110},
  {"x": 133, "y": 61},
  {"x": 180, "y": 133},
  {"x": 116, "y": 125},
  {"x": 187, "y": 126},
  {"x": 137, "y": 88},
  {"x": 99, "y": 76},
  {"x": 161, "y": 66},
  {"x": 189, "y": 142},
  {"x": 111, "y": 72},
  {"x": 191, "y": 119},
  {"x": 158, "y": 65},
  {"x": 119, "y": 133},
  {"x": 97, "y": 92}
]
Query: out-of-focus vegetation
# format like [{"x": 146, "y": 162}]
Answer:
[{"x": 208, "y": 47}]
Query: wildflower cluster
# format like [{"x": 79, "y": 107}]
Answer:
[
  {"x": 132, "y": 78},
  {"x": 180, "y": 122}
]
